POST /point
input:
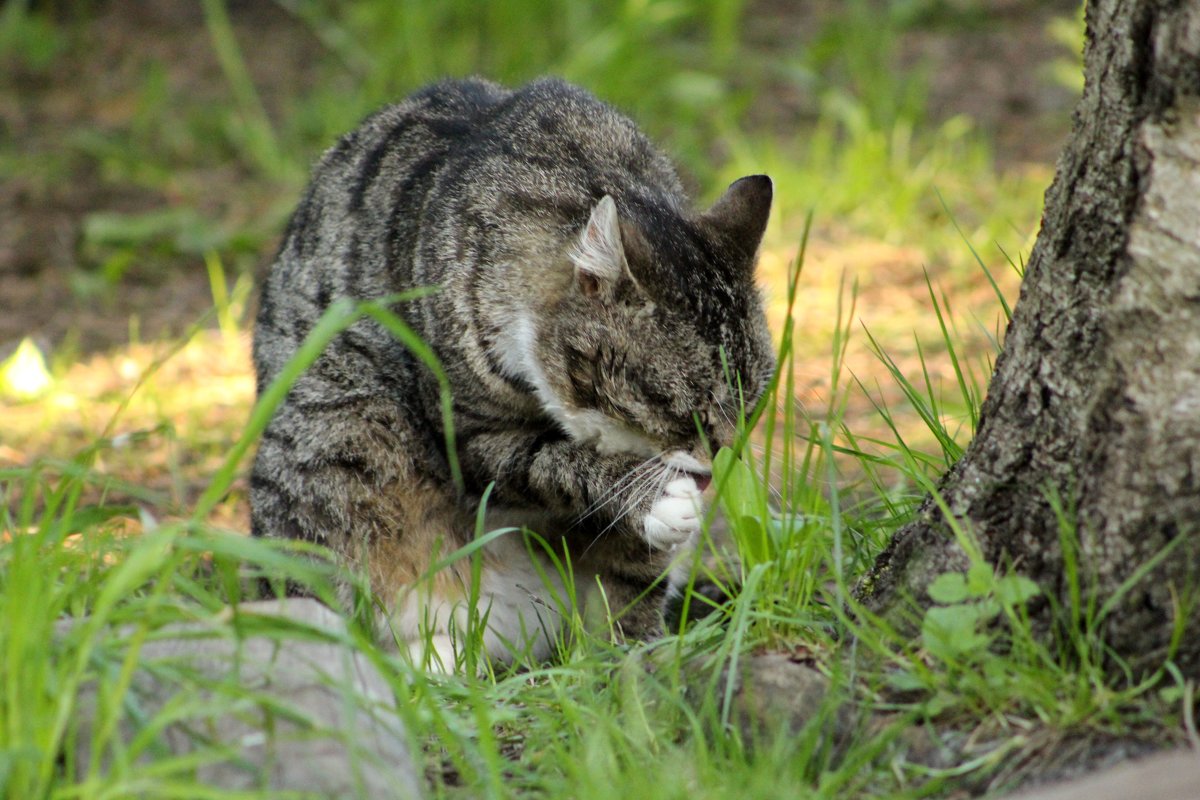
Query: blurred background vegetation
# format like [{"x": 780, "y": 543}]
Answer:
[{"x": 151, "y": 150}]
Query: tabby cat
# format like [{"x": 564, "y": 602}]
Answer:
[{"x": 598, "y": 336}]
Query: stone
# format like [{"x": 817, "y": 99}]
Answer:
[
  {"x": 290, "y": 713},
  {"x": 1165, "y": 776},
  {"x": 773, "y": 694}
]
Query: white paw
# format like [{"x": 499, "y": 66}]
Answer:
[{"x": 675, "y": 516}]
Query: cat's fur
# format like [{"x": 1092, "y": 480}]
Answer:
[{"x": 595, "y": 330}]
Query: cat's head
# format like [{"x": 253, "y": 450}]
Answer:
[{"x": 660, "y": 340}]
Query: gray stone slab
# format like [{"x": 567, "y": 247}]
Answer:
[
  {"x": 289, "y": 714},
  {"x": 1167, "y": 776},
  {"x": 773, "y": 694}
]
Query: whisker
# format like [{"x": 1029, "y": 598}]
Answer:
[
  {"x": 724, "y": 412},
  {"x": 618, "y": 487},
  {"x": 653, "y": 489},
  {"x": 635, "y": 492},
  {"x": 669, "y": 475},
  {"x": 645, "y": 471}
]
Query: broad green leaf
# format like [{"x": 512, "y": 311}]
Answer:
[
  {"x": 738, "y": 486},
  {"x": 1013, "y": 590},
  {"x": 949, "y": 631},
  {"x": 980, "y": 579},
  {"x": 940, "y": 702},
  {"x": 788, "y": 529},
  {"x": 988, "y": 608},
  {"x": 742, "y": 498},
  {"x": 183, "y": 229},
  {"x": 949, "y": 587},
  {"x": 752, "y": 537}
]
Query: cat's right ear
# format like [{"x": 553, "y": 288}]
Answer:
[
  {"x": 741, "y": 212},
  {"x": 598, "y": 256}
]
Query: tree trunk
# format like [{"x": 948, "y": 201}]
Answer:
[{"x": 1096, "y": 397}]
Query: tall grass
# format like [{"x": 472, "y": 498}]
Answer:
[{"x": 602, "y": 717}]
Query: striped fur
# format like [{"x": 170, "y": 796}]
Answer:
[{"x": 582, "y": 312}]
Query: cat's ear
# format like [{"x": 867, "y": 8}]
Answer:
[
  {"x": 741, "y": 213},
  {"x": 598, "y": 256}
]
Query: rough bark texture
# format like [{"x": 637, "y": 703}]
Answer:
[{"x": 1096, "y": 398}]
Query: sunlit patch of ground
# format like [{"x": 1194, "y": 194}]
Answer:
[
  {"x": 160, "y": 417},
  {"x": 880, "y": 289}
]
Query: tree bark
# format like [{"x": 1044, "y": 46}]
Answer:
[{"x": 1095, "y": 399}]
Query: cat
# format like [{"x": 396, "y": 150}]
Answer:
[{"x": 598, "y": 335}]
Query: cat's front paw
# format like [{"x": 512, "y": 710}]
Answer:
[{"x": 675, "y": 515}]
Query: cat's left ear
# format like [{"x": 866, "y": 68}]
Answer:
[
  {"x": 741, "y": 213},
  {"x": 598, "y": 256}
]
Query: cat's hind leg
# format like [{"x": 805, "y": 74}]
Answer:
[{"x": 519, "y": 613}]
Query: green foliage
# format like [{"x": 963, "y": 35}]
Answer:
[
  {"x": 745, "y": 504},
  {"x": 120, "y": 590},
  {"x": 856, "y": 53},
  {"x": 790, "y": 532},
  {"x": 670, "y": 64},
  {"x": 250, "y": 131},
  {"x": 27, "y": 37},
  {"x": 870, "y": 161},
  {"x": 113, "y": 245},
  {"x": 968, "y": 602},
  {"x": 604, "y": 715}
]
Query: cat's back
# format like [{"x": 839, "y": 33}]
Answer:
[
  {"x": 460, "y": 174},
  {"x": 382, "y": 171},
  {"x": 551, "y": 147},
  {"x": 361, "y": 211},
  {"x": 460, "y": 137}
]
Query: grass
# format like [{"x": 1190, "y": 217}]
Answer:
[
  {"x": 603, "y": 717},
  {"x": 122, "y": 501}
]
